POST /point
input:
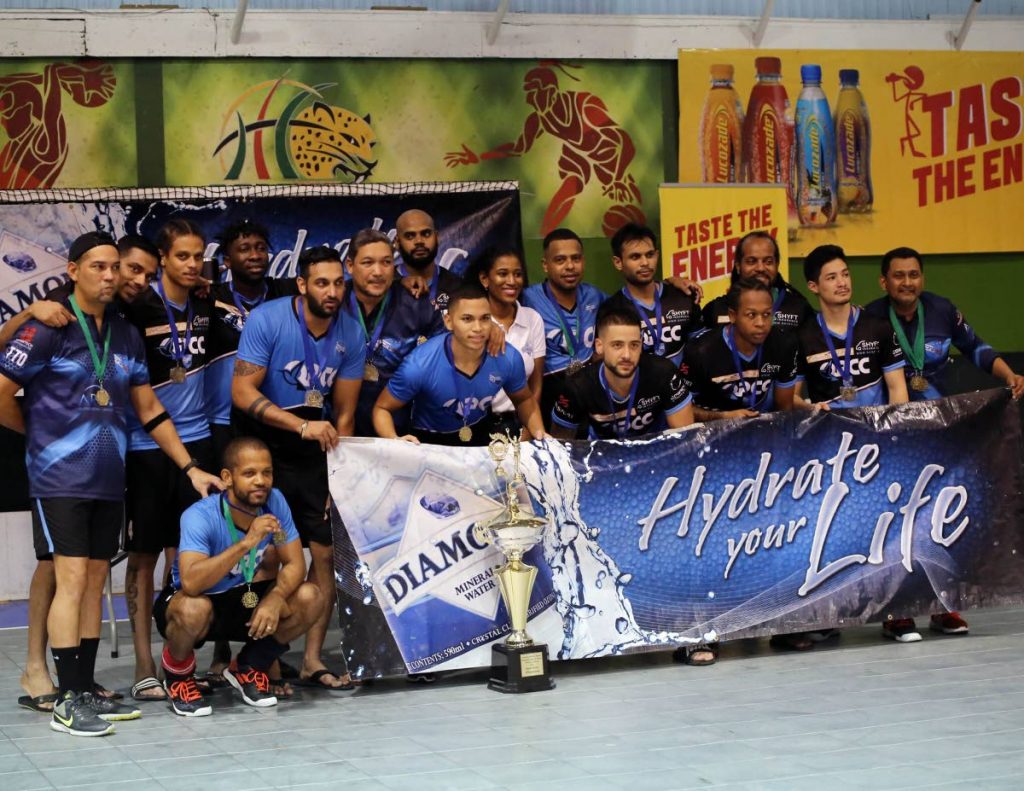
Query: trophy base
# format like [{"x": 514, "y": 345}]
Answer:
[{"x": 517, "y": 670}]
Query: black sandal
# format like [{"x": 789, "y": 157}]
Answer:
[{"x": 685, "y": 654}]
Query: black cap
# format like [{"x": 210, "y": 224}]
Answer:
[{"x": 84, "y": 243}]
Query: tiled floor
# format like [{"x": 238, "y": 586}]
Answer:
[{"x": 947, "y": 712}]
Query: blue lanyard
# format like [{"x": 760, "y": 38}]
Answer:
[
  {"x": 572, "y": 340},
  {"x": 314, "y": 365},
  {"x": 378, "y": 325},
  {"x": 612, "y": 401},
  {"x": 461, "y": 400},
  {"x": 177, "y": 349},
  {"x": 241, "y": 302},
  {"x": 844, "y": 368},
  {"x": 730, "y": 341},
  {"x": 655, "y": 330}
]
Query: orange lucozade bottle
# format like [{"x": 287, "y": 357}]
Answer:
[
  {"x": 768, "y": 131},
  {"x": 721, "y": 126}
]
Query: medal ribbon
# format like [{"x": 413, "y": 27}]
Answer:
[
  {"x": 98, "y": 365},
  {"x": 177, "y": 348},
  {"x": 915, "y": 349},
  {"x": 461, "y": 400},
  {"x": 378, "y": 324},
  {"x": 844, "y": 369},
  {"x": 730, "y": 341},
  {"x": 655, "y": 329},
  {"x": 778, "y": 294},
  {"x": 240, "y": 301},
  {"x": 248, "y": 561},
  {"x": 572, "y": 340},
  {"x": 313, "y": 362},
  {"x": 612, "y": 401}
]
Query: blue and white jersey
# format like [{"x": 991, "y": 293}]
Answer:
[
  {"x": 874, "y": 352},
  {"x": 204, "y": 530},
  {"x": 579, "y": 324},
  {"x": 184, "y": 402},
  {"x": 443, "y": 398},
  {"x": 944, "y": 326},
  {"x": 74, "y": 446}
]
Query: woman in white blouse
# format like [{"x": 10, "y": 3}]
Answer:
[{"x": 503, "y": 276}]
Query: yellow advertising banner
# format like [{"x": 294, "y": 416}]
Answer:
[
  {"x": 701, "y": 224},
  {"x": 877, "y": 149}
]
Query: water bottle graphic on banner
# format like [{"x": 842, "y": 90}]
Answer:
[
  {"x": 721, "y": 126},
  {"x": 815, "y": 180},
  {"x": 853, "y": 145},
  {"x": 768, "y": 130}
]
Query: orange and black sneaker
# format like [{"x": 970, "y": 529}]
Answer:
[
  {"x": 252, "y": 683},
  {"x": 185, "y": 698}
]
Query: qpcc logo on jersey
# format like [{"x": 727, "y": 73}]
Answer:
[{"x": 439, "y": 555}]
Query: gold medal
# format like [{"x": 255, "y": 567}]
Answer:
[
  {"x": 370, "y": 373},
  {"x": 848, "y": 393},
  {"x": 421, "y": 339},
  {"x": 465, "y": 434},
  {"x": 575, "y": 367},
  {"x": 918, "y": 383},
  {"x": 314, "y": 398},
  {"x": 102, "y": 397},
  {"x": 178, "y": 375},
  {"x": 250, "y": 599},
  {"x": 280, "y": 538}
]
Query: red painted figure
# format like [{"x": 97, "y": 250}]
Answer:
[
  {"x": 30, "y": 114},
  {"x": 593, "y": 142}
]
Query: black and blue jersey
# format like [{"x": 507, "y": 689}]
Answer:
[
  {"x": 668, "y": 323},
  {"x": 440, "y": 287},
  {"x": 74, "y": 446},
  {"x": 230, "y": 310},
  {"x": 443, "y": 398},
  {"x": 790, "y": 309},
  {"x": 944, "y": 326}
]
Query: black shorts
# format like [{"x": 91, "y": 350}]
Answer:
[
  {"x": 229, "y": 616},
  {"x": 158, "y": 494},
  {"x": 303, "y": 482},
  {"x": 76, "y": 528}
]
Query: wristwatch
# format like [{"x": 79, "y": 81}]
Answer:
[{"x": 192, "y": 464}]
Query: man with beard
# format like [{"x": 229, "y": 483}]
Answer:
[
  {"x": 417, "y": 241},
  {"x": 296, "y": 381},
  {"x": 217, "y": 590},
  {"x": 757, "y": 257}
]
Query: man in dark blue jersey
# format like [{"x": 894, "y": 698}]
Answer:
[
  {"x": 81, "y": 382},
  {"x": 218, "y": 590},
  {"x": 417, "y": 242},
  {"x": 908, "y": 307},
  {"x": 392, "y": 320},
  {"x": 670, "y": 317},
  {"x": 174, "y": 324},
  {"x": 757, "y": 257},
  {"x": 296, "y": 382},
  {"x": 451, "y": 380}
]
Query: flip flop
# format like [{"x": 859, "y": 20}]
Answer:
[
  {"x": 101, "y": 691},
  {"x": 685, "y": 654},
  {"x": 315, "y": 681},
  {"x": 149, "y": 682},
  {"x": 38, "y": 703},
  {"x": 281, "y": 689},
  {"x": 213, "y": 680}
]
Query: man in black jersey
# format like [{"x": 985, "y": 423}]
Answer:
[
  {"x": 746, "y": 367},
  {"x": 669, "y": 316},
  {"x": 417, "y": 241},
  {"x": 628, "y": 393},
  {"x": 757, "y": 257}
]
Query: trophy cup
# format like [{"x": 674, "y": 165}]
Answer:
[{"x": 517, "y": 665}]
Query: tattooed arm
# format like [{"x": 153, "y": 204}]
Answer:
[{"x": 246, "y": 395}]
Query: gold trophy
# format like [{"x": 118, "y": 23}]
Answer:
[{"x": 517, "y": 665}]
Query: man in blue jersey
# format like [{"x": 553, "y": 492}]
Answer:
[
  {"x": 218, "y": 590},
  {"x": 296, "y": 382},
  {"x": 451, "y": 380},
  {"x": 417, "y": 241},
  {"x": 81, "y": 382},
  {"x": 392, "y": 320},
  {"x": 908, "y": 307},
  {"x": 174, "y": 324}
]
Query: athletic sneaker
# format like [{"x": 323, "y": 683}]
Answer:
[
  {"x": 902, "y": 630},
  {"x": 253, "y": 684},
  {"x": 948, "y": 623},
  {"x": 72, "y": 714},
  {"x": 109, "y": 709},
  {"x": 185, "y": 698}
]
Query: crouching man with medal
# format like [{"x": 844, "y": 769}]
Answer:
[{"x": 217, "y": 591}]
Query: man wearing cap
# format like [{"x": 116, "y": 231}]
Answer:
[{"x": 80, "y": 383}]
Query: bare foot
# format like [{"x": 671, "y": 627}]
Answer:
[{"x": 36, "y": 684}]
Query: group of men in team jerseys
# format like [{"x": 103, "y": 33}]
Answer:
[{"x": 260, "y": 376}]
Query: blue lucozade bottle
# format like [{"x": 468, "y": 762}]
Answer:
[{"x": 815, "y": 161}]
